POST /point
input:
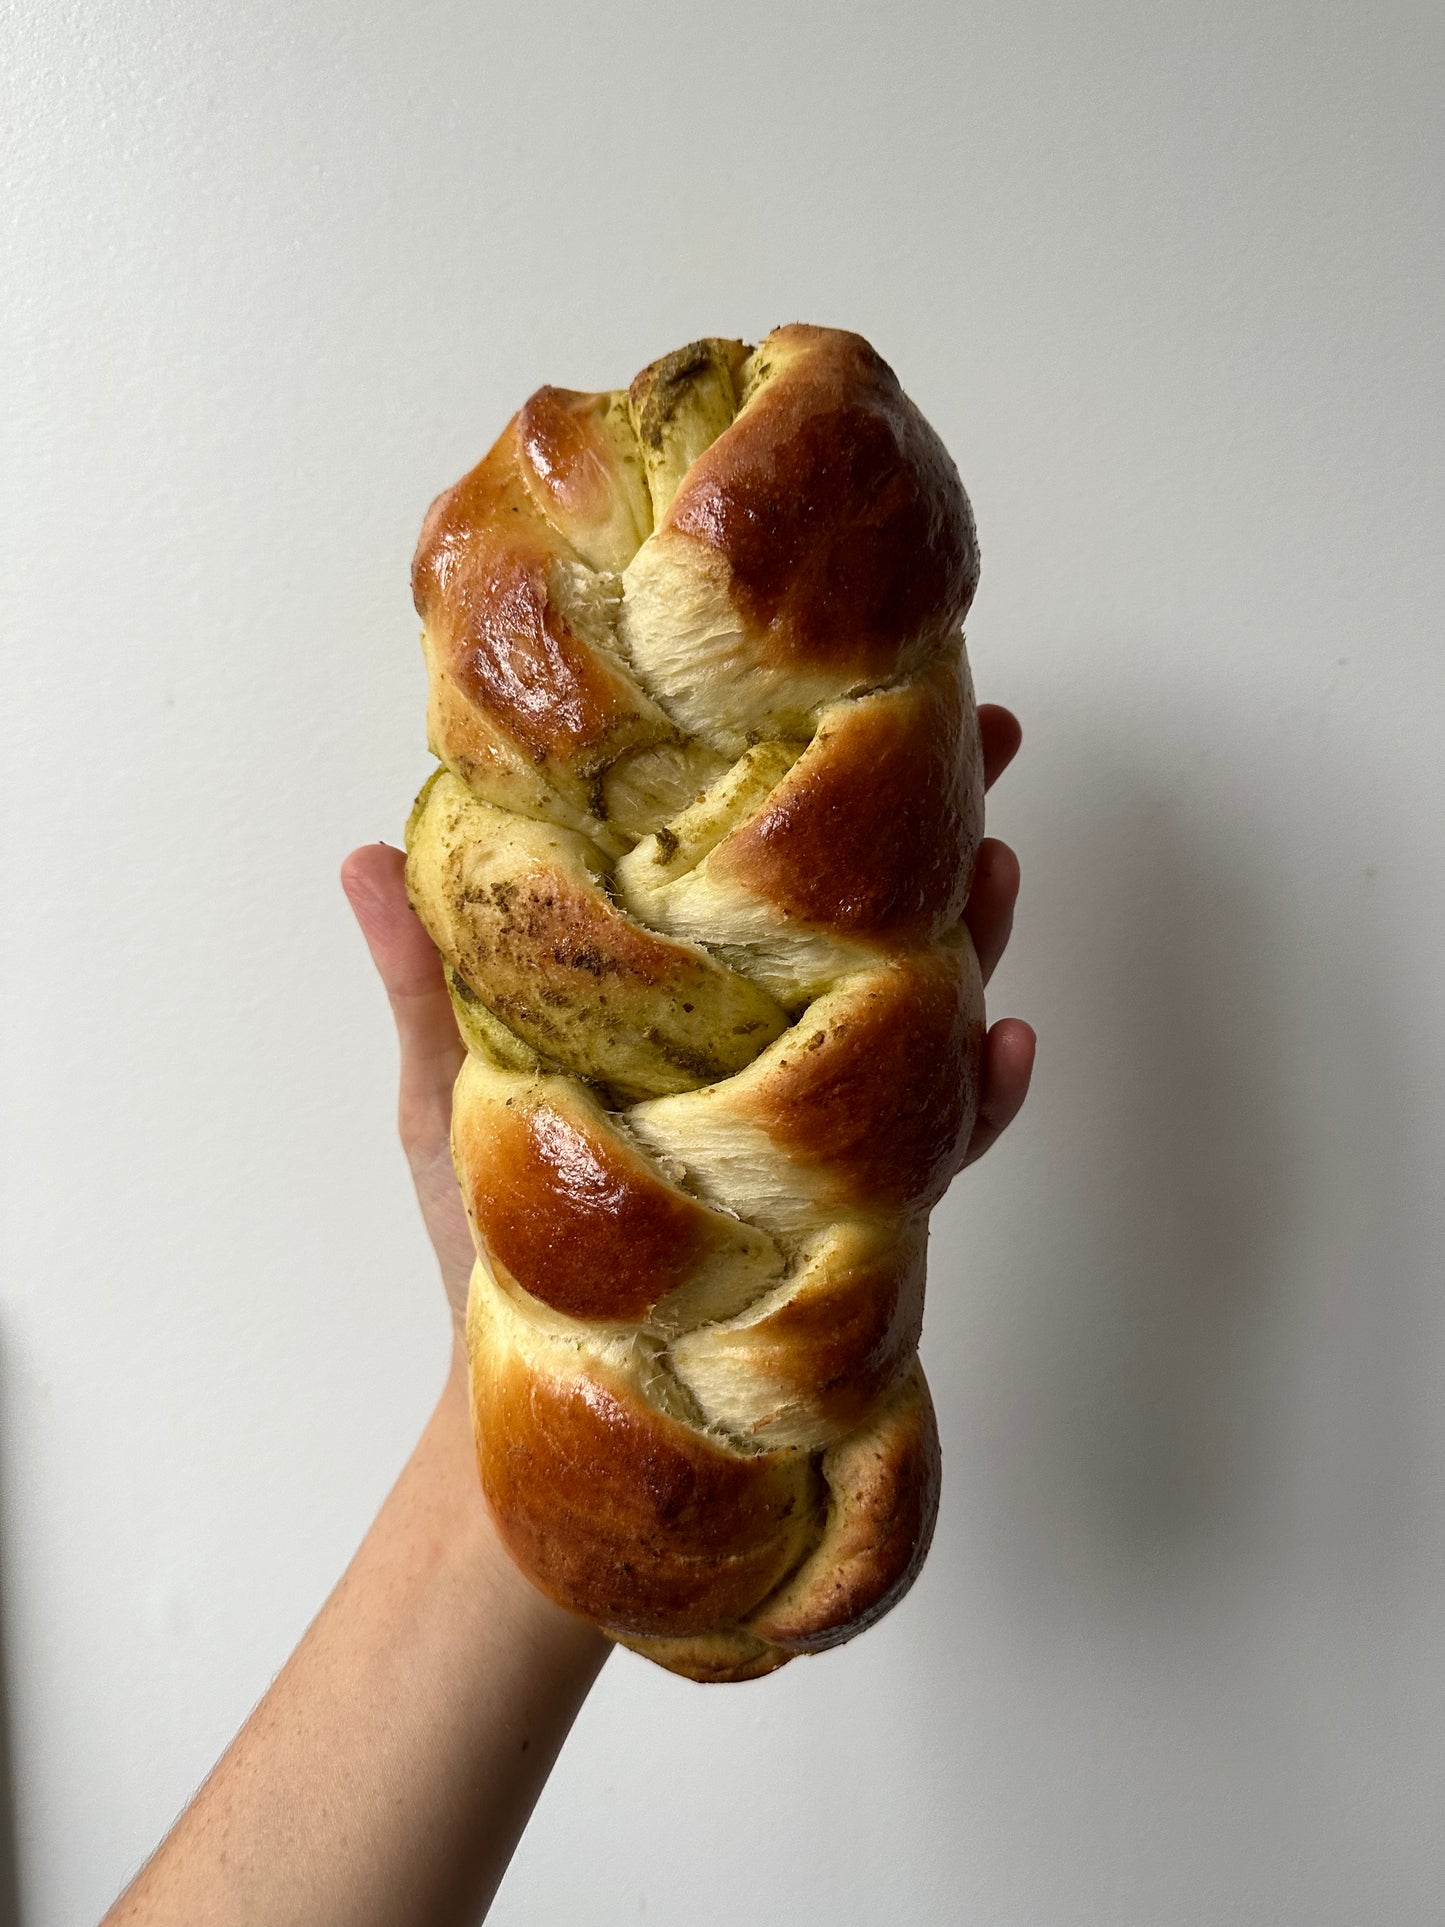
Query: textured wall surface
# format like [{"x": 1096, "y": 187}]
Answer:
[{"x": 1167, "y": 280}]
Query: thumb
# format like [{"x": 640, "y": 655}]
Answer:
[{"x": 411, "y": 974}]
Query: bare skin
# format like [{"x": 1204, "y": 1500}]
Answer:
[{"x": 385, "y": 1778}]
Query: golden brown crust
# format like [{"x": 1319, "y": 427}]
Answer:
[
  {"x": 881, "y": 1100},
  {"x": 883, "y": 1485},
  {"x": 711, "y": 1658},
  {"x": 578, "y": 459},
  {"x": 697, "y": 862},
  {"x": 499, "y": 640},
  {"x": 571, "y": 1210},
  {"x": 841, "y": 519},
  {"x": 579, "y": 1220},
  {"x": 825, "y": 1349},
  {"x": 627, "y": 1515},
  {"x": 875, "y": 828}
]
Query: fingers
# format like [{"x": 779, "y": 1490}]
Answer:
[
  {"x": 1008, "y": 1065},
  {"x": 411, "y": 972},
  {"x": 989, "y": 913},
  {"x": 999, "y": 729},
  {"x": 1008, "y": 1051}
]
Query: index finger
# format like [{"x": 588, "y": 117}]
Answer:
[{"x": 1001, "y": 734}]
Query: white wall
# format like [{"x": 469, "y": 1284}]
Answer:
[{"x": 1168, "y": 279}]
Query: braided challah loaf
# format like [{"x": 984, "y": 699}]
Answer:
[{"x": 696, "y": 859}]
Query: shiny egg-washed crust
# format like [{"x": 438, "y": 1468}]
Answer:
[{"x": 696, "y": 858}]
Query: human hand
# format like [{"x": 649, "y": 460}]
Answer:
[
  {"x": 432, "y": 1052},
  {"x": 1008, "y": 1052}
]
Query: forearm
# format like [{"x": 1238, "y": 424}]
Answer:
[{"x": 387, "y": 1775}]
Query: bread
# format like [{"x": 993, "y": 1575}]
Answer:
[{"x": 696, "y": 858}]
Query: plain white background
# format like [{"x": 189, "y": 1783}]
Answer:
[{"x": 1168, "y": 280}]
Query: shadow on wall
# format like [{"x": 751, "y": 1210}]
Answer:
[
  {"x": 1105, "y": 1384},
  {"x": 9, "y": 1866}
]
